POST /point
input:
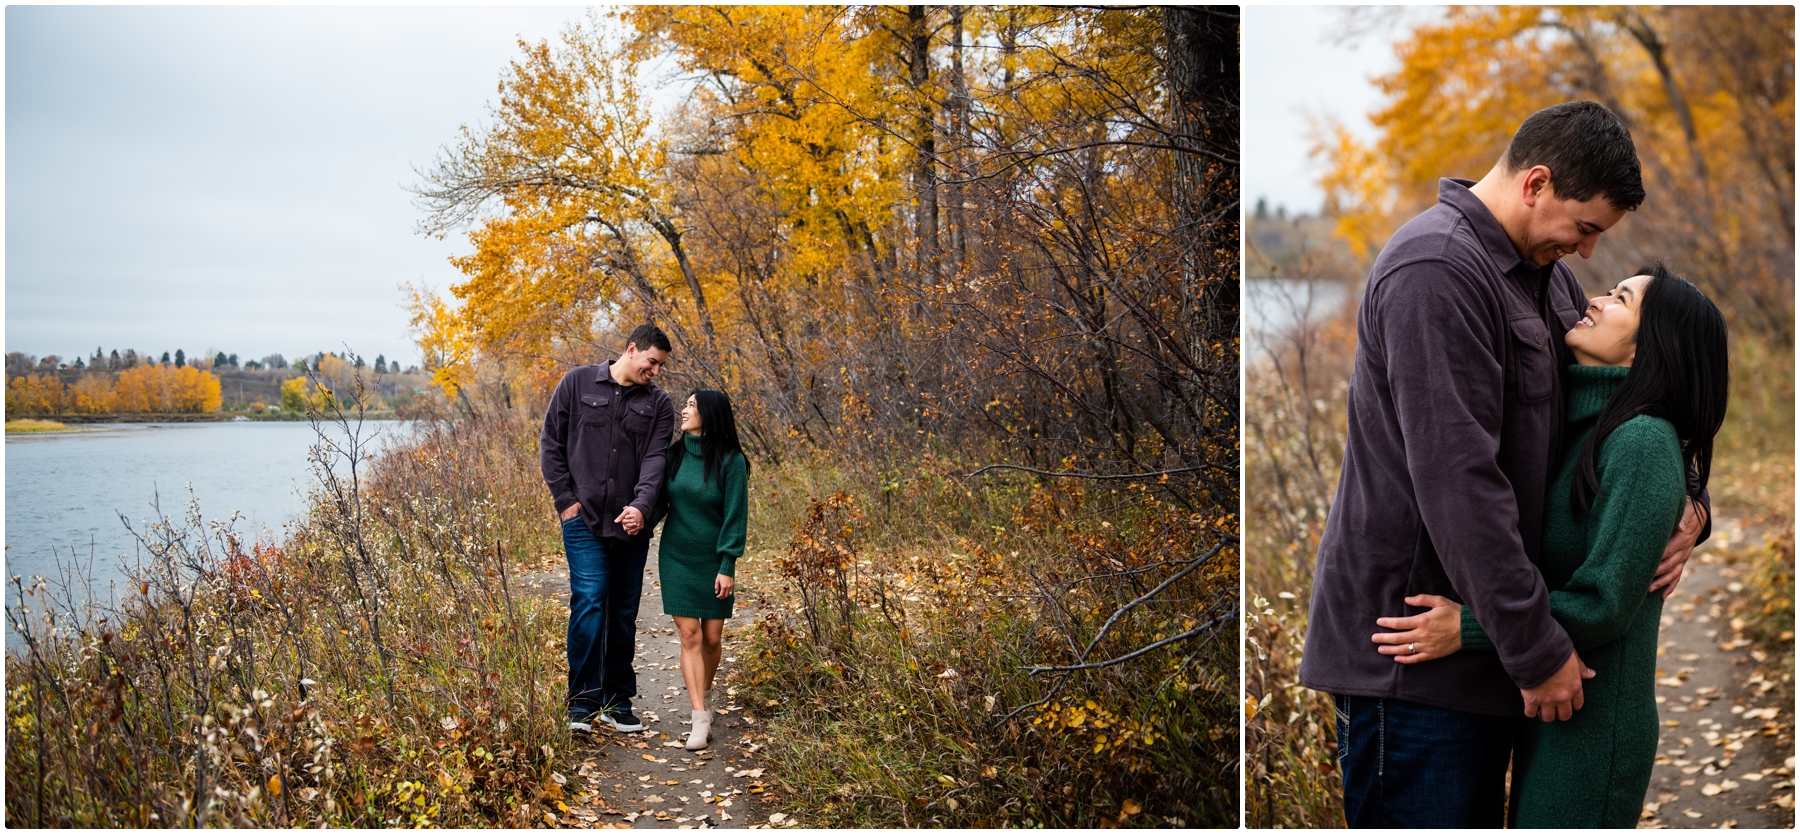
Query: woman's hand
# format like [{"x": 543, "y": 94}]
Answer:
[
  {"x": 1428, "y": 636},
  {"x": 723, "y": 585}
]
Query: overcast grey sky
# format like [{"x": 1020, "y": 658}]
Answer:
[
  {"x": 234, "y": 178},
  {"x": 1295, "y": 73}
]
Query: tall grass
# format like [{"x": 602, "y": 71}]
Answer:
[
  {"x": 1295, "y": 384},
  {"x": 1753, "y": 479},
  {"x": 908, "y": 603},
  {"x": 375, "y": 668}
]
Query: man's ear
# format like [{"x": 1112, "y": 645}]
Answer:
[
  {"x": 1536, "y": 185},
  {"x": 629, "y": 347}
]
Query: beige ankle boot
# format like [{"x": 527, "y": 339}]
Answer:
[{"x": 702, "y": 731}]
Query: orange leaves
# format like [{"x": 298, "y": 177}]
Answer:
[
  {"x": 35, "y": 395},
  {"x": 165, "y": 389},
  {"x": 444, "y": 340},
  {"x": 1713, "y": 145}
]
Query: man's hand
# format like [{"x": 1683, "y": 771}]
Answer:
[
  {"x": 722, "y": 586},
  {"x": 1558, "y": 698},
  {"x": 632, "y": 519},
  {"x": 573, "y": 511},
  {"x": 1680, "y": 547}
]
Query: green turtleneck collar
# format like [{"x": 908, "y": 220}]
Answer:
[
  {"x": 1589, "y": 387},
  {"x": 692, "y": 442}
]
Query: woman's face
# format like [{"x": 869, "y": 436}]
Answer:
[
  {"x": 1607, "y": 332},
  {"x": 690, "y": 417}
]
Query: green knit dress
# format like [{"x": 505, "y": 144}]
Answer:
[
  {"x": 1593, "y": 770},
  {"x": 704, "y": 535}
]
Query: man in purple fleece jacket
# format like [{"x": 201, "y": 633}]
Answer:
[
  {"x": 1455, "y": 418},
  {"x": 602, "y": 449}
]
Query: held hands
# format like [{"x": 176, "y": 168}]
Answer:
[
  {"x": 1680, "y": 547},
  {"x": 1428, "y": 636},
  {"x": 722, "y": 586},
  {"x": 573, "y": 511},
  {"x": 632, "y": 519},
  {"x": 1558, "y": 698}
]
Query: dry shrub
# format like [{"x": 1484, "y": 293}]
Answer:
[
  {"x": 1295, "y": 385},
  {"x": 373, "y": 669},
  {"x": 908, "y": 611}
]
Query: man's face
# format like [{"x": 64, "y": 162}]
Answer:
[
  {"x": 637, "y": 367},
  {"x": 1556, "y": 227}
]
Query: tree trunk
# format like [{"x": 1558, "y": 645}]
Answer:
[
  {"x": 959, "y": 137},
  {"x": 1202, "y": 66},
  {"x": 925, "y": 220},
  {"x": 666, "y": 227}
]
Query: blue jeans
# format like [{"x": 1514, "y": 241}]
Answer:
[
  {"x": 1408, "y": 765},
  {"x": 606, "y": 578}
]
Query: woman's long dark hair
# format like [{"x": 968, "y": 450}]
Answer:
[
  {"x": 718, "y": 436},
  {"x": 1681, "y": 373}
]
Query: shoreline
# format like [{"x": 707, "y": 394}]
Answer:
[{"x": 216, "y": 417}]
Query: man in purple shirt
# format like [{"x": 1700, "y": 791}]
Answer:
[
  {"x": 602, "y": 449},
  {"x": 1455, "y": 419}
]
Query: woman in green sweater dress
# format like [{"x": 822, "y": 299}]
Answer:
[
  {"x": 1645, "y": 399},
  {"x": 706, "y": 500}
]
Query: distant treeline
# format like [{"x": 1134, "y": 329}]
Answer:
[
  {"x": 128, "y": 382},
  {"x": 18, "y": 363}
]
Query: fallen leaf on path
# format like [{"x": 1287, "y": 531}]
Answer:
[{"x": 1692, "y": 814}]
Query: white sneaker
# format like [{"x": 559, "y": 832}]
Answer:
[{"x": 581, "y": 725}]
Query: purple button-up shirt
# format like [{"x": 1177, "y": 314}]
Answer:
[
  {"x": 605, "y": 445},
  {"x": 1455, "y": 420}
]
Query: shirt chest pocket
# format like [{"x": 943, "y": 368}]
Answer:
[
  {"x": 637, "y": 418},
  {"x": 1531, "y": 361},
  {"x": 595, "y": 409}
]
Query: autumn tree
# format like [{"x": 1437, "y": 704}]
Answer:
[
  {"x": 1707, "y": 93},
  {"x": 1007, "y": 236},
  {"x": 35, "y": 395},
  {"x": 166, "y": 389}
]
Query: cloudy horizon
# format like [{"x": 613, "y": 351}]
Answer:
[{"x": 235, "y": 178}]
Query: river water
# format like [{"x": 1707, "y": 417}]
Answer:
[
  {"x": 65, "y": 491},
  {"x": 1274, "y": 305}
]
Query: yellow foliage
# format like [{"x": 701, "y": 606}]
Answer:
[
  {"x": 165, "y": 389},
  {"x": 444, "y": 338},
  {"x": 296, "y": 397},
  {"x": 91, "y": 394},
  {"x": 1707, "y": 93},
  {"x": 35, "y": 395}
]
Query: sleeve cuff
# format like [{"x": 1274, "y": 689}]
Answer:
[{"x": 1473, "y": 637}]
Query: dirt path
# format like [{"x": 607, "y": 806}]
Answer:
[
  {"x": 1725, "y": 758},
  {"x": 648, "y": 779}
]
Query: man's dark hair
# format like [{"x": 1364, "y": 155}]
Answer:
[
  {"x": 1587, "y": 149},
  {"x": 648, "y": 336}
]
